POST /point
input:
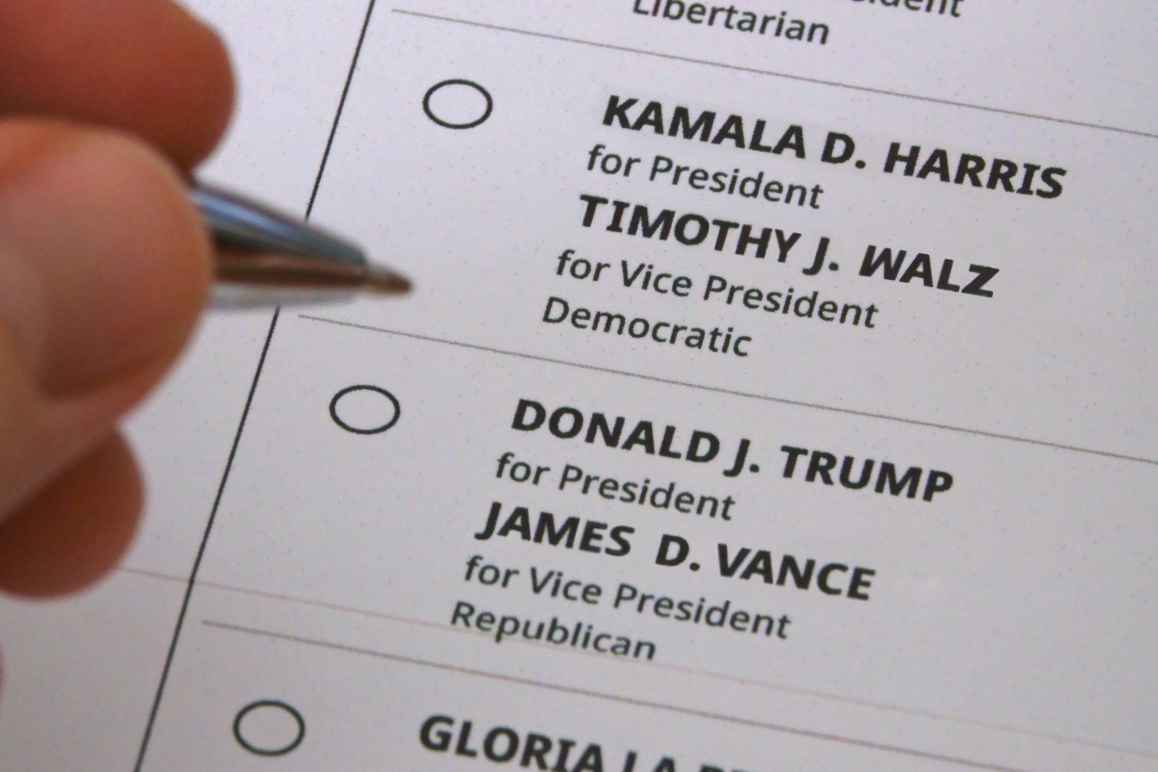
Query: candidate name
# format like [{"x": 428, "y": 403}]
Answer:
[
  {"x": 906, "y": 159},
  {"x": 508, "y": 746}
]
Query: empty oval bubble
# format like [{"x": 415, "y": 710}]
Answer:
[
  {"x": 457, "y": 104},
  {"x": 365, "y": 409},
  {"x": 269, "y": 728}
]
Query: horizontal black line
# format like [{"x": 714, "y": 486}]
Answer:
[
  {"x": 591, "y": 693},
  {"x": 785, "y": 75},
  {"x": 747, "y": 394}
]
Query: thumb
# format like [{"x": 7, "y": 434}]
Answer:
[{"x": 104, "y": 266}]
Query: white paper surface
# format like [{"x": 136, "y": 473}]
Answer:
[{"x": 982, "y": 601}]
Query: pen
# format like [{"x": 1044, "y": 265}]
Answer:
[{"x": 265, "y": 257}]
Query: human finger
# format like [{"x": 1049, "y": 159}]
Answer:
[{"x": 147, "y": 67}]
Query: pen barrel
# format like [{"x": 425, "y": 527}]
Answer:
[
  {"x": 274, "y": 271},
  {"x": 260, "y": 280},
  {"x": 267, "y": 257}
]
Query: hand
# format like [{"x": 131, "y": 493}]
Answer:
[{"x": 104, "y": 265}]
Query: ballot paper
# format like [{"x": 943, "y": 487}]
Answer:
[{"x": 777, "y": 392}]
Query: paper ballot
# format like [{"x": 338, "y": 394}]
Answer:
[{"x": 777, "y": 393}]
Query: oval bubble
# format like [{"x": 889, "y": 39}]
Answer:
[
  {"x": 459, "y": 104},
  {"x": 269, "y": 728},
  {"x": 365, "y": 409}
]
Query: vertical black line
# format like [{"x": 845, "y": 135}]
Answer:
[
  {"x": 201, "y": 549},
  {"x": 341, "y": 106},
  {"x": 139, "y": 765}
]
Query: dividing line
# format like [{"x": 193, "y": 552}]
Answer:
[
  {"x": 659, "y": 666},
  {"x": 744, "y": 394},
  {"x": 241, "y": 426},
  {"x": 341, "y": 106},
  {"x": 607, "y": 696},
  {"x": 201, "y": 552},
  {"x": 776, "y": 74}
]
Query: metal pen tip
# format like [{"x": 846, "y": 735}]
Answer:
[
  {"x": 261, "y": 248},
  {"x": 384, "y": 281}
]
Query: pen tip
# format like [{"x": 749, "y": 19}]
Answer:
[{"x": 386, "y": 281}]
